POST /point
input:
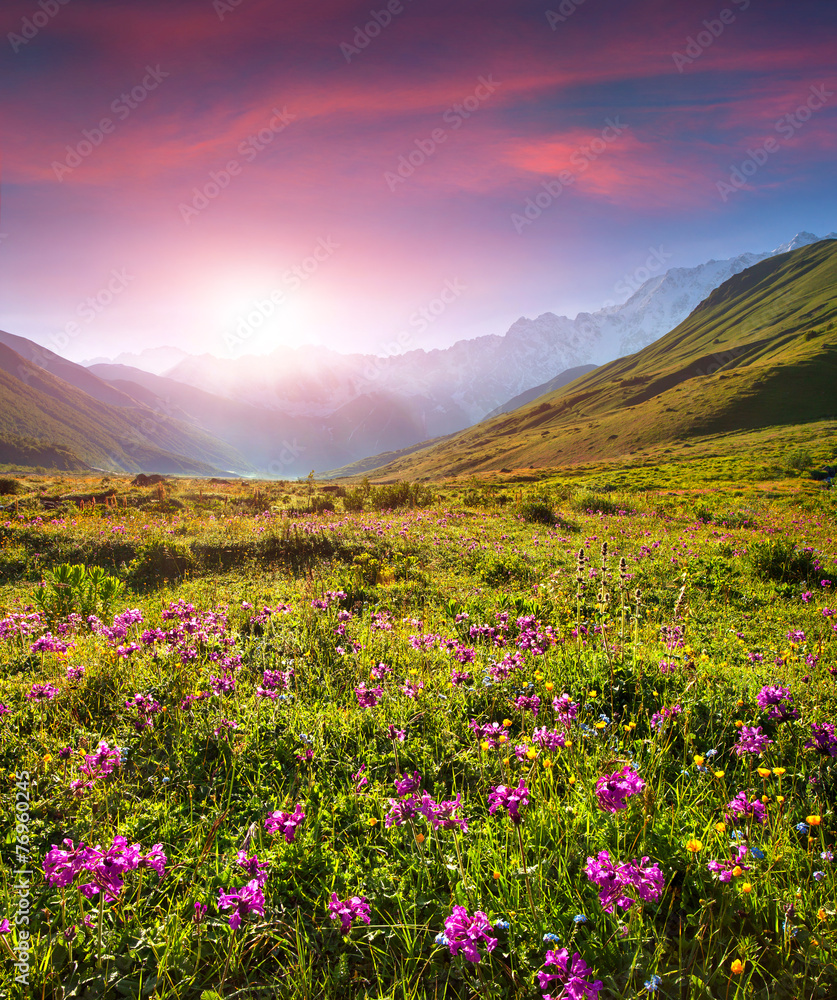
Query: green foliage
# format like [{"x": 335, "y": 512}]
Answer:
[
  {"x": 780, "y": 561},
  {"x": 159, "y": 562},
  {"x": 9, "y": 487},
  {"x": 77, "y": 589}
]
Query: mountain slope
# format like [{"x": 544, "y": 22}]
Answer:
[
  {"x": 539, "y": 390},
  {"x": 38, "y": 406},
  {"x": 760, "y": 350}
]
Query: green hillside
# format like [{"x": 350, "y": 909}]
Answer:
[
  {"x": 36, "y": 405},
  {"x": 761, "y": 350}
]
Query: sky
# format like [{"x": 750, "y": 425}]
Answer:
[{"x": 234, "y": 176}]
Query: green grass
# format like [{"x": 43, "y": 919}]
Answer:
[{"x": 735, "y": 564}]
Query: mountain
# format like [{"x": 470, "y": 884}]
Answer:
[
  {"x": 457, "y": 386},
  {"x": 43, "y": 414},
  {"x": 156, "y": 360},
  {"x": 304, "y": 408},
  {"x": 539, "y": 390},
  {"x": 760, "y": 350}
]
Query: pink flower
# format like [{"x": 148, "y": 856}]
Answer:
[
  {"x": 613, "y": 790},
  {"x": 572, "y": 975},
  {"x": 353, "y": 908},
  {"x": 286, "y": 823},
  {"x": 464, "y": 933}
]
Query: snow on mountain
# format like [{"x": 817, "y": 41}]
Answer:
[
  {"x": 460, "y": 384},
  {"x": 155, "y": 360}
]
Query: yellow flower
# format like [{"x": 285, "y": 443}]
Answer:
[
  {"x": 485, "y": 746},
  {"x": 372, "y": 821},
  {"x": 594, "y": 694},
  {"x": 600, "y": 725},
  {"x": 547, "y": 763},
  {"x": 693, "y": 845},
  {"x": 627, "y": 728},
  {"x": 631, "y": 725},
  {"x": 738, "y": 870},
  {"x": 765, "y": 799},
  {"x": 549, "y": 686},
  {"x": 737, "y": 967},
  {"x": 779, "y": 771},
  {"x": 531, "y": 753},
  {"x": 740, "y": 703},
  {"x": 498, "y": 875},
  {"x": 47, "y": 758},
  {"x": 746, "y": 887},
  {"x": 420, "y": 838},
  {"x": 502, "y": 738},
  {"x": 539, "y": 676},
  {"x": 698, "y": 760},
  {"x": 506, "y": 761},
  {"x": 568, "y": 744},
  {"x": 780, "y": 799},
  {"x": 738, "y": 723},
  {"x": 764, "y": 772},
  {"x": 718, "y": 774},
  {"x": 821, "y": 914},
  {"x": 572, "y": 779},
  {"x": 813, "y": 820},
  {"x": 721, "y": 827},
  {"x": 507, "y": 723}
]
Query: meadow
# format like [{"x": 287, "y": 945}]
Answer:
[{"x": 559, "y": 734}]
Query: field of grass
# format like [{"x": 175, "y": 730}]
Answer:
[{"x": 270, "y": 741}]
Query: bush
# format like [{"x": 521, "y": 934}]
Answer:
[
  {"x": 779, "y": 560},
  {"x": 159, "y": 562},
  {"x": 77, "y": 589},
  {"x": 9, "y": 487}
]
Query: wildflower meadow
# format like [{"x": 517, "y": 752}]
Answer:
[{"x": 498, "y": 740}]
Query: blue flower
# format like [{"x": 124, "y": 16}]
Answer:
[
  {"x": 579, "y": 918},
  {"x": 441, "y": 939},
  {"x": 551, "y": 939},
  {"x": 709, "y": 753},
  {"x": 802, "y": 827},
  {"x": 653, "y": 984},
  {"x": 757, "y": 853},
  {"x": 502, "y": 925},
  {"x": 818, "y": 875}
]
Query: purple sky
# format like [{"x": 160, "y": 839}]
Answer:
[{"x": 166, "y": 167}]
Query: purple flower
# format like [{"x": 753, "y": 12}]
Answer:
[
  {"x": 3, "y": 710},
  {"x": 778, "y": 701},
  {"x": 751, "y": 740},
  {"x": 75, "y": 673},
  {"x": 200, "y": 911},
  {"x": 402, "y": 811},
  {"x": 42, "y": 692},
  {"x": 442, "y": 815},
  {"x": 253, "y": 867},
  {"x": 464, "y": 933},
  {"x": 549, "y": 739},
  {"x": 740, "y": 807},
  {"x": 613, "y": 790},
  {"x": 528, "y": 703},
  {"x": 723, "y": 870},
  {"x": 249, "y": 898},
  {"x": 616, "y": 880},
  {"x": 565, "y": 710},
  {"x": 284, "y": 822},
  {"x": 102, "y": 762},
  {"x": 368, "y": 697},
  {"x": 406, "y": 785},
  {"x": 658, "y": 718},
  {"x": 824, "y": 739},
  {"x": 573, "y": 975},
  {"x": 347, "y": 910},
  {"x": 398, "y": 735},
  {"x": 510, "y": 799}
]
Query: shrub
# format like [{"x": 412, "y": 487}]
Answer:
[
  {"x": 9, "y": 487},
  {"x": 779, "y": 560},
  {"x": 73, "y": 588},
  {"x": 158, "y": 562}
]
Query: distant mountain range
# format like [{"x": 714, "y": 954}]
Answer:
[
  {"x": 760, "y": 350},
  {"x": 298, "y": 409}
]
